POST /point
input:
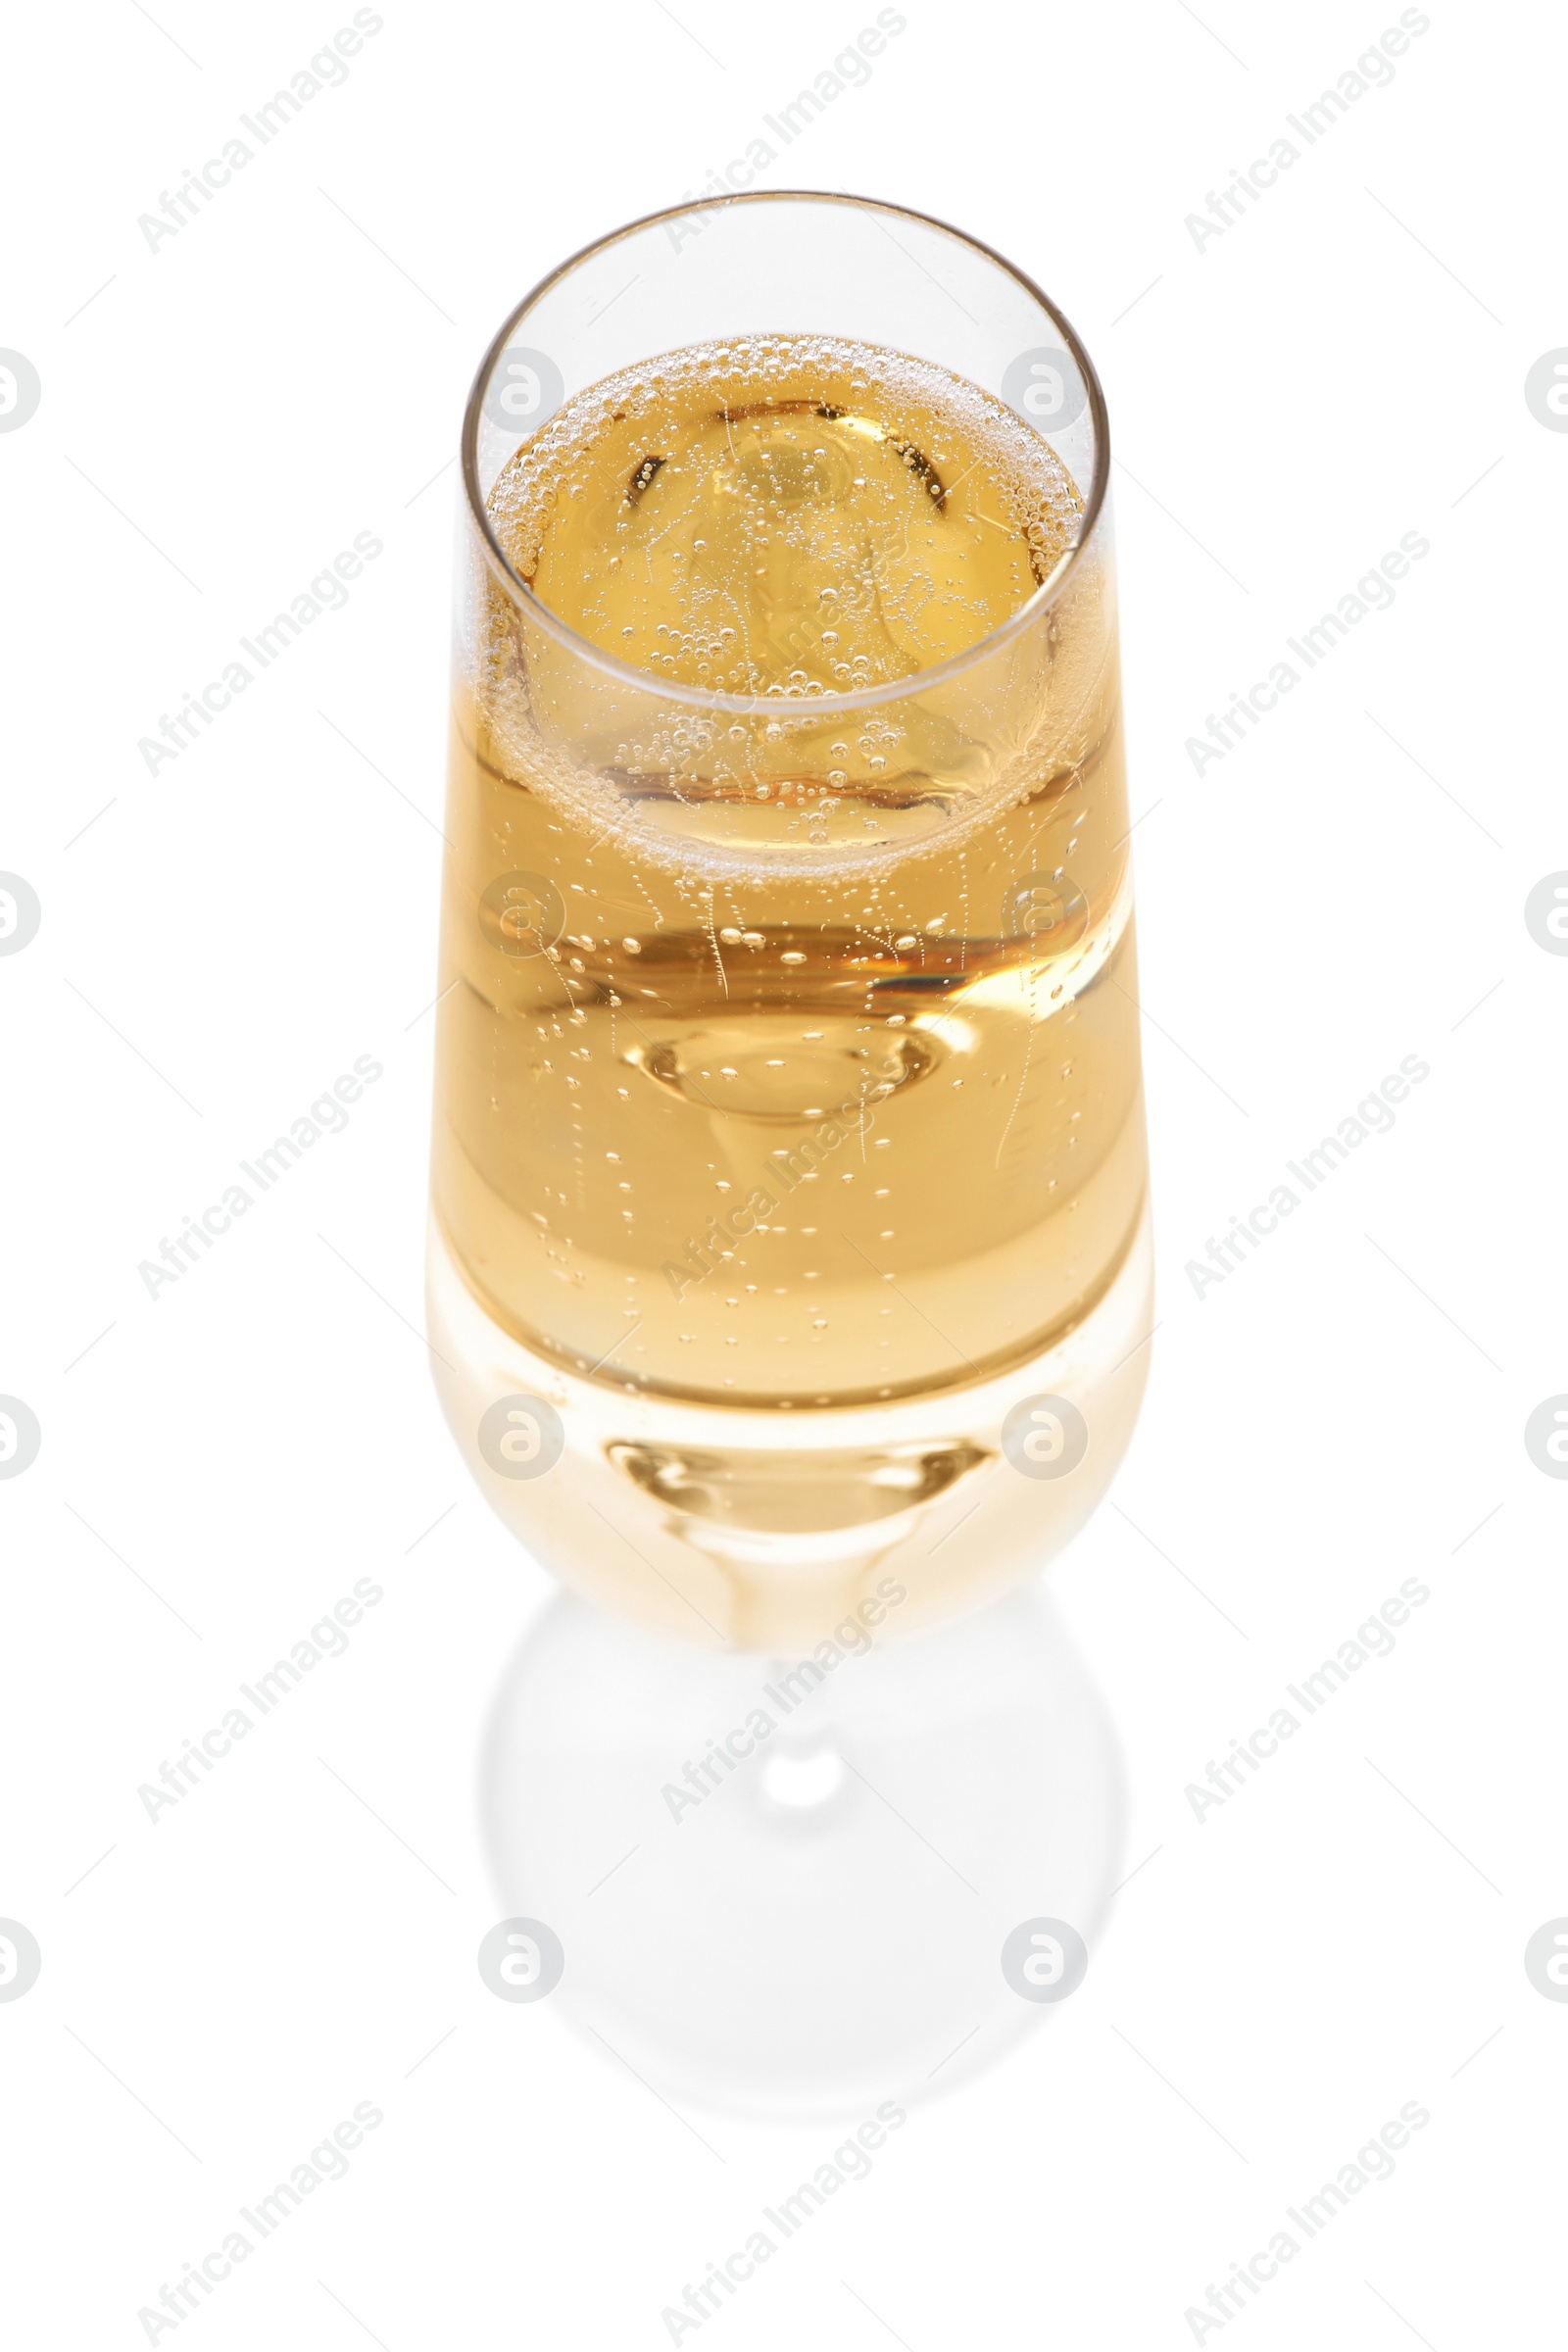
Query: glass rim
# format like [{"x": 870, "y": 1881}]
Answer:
[{"x": 701, "y": 698}]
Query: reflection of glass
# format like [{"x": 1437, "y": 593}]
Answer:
[
  {"x": 789, "y": 1132},
  {"x": 795, "y": 1896}
]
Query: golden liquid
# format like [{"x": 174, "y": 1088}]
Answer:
[{"x": 828, "y": 1089}]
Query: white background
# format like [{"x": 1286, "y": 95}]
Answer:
[{"x": 219, "y": 942}]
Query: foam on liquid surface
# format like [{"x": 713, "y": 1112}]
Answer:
[{"x": 785, "y": 517}]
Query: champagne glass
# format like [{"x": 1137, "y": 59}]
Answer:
[{"x": 788, "y": 1261}]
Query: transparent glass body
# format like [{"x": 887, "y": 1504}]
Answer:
[{"x": 788, "y": 1241}]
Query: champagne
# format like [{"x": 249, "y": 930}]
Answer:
[
  {"x": 808, "y": 1077},
  {"x": 789, "y": 1126}
]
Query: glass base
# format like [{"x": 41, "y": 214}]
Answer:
[
  {"x": 764, "y": 1531},
  {"x": 790, "y": 1896}
]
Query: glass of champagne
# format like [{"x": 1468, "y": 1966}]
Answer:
[{"x": 788, "y": 1261}]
